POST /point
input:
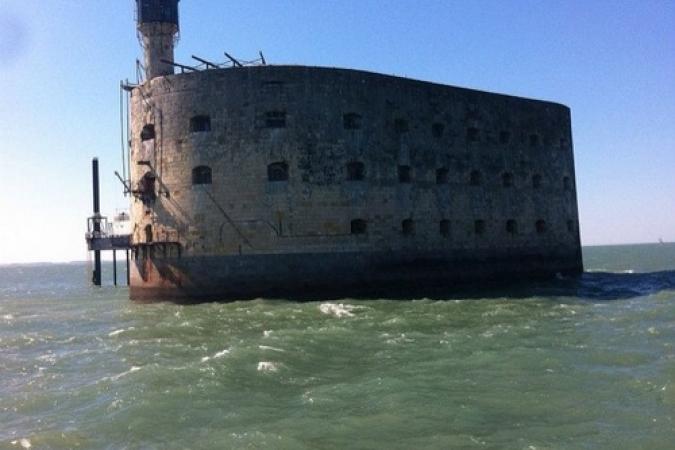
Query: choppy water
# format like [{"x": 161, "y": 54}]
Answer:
[{"x": 587, "y": 364}]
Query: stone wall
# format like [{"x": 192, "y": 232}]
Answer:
[{"x": 374, "y": 164}]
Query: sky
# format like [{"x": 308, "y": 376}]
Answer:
[{"x": 611, "y": 62}]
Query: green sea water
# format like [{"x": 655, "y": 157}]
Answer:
[{"x": 584, "y": 363}]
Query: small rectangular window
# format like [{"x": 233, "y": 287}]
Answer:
[
  {"x": 437, "y": 130},
  {"x": 444, "y": 228},
  {"x": 534, "y": 140},
  {"x": 200, "y": 124},
  {"x": 404, "y": 174},
  {"x": 351, "y": 121},
  {"x": 504, "y": 137},
  {"x": 479, "y": 227},
  {"x": 442, "y": 175},
  {"x": 275, "y": 119},
  {"x": 401, "y": 125},
  {"x": 472, "y": 134}
]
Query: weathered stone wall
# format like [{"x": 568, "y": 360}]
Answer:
[{"x": 519, "y": 150}]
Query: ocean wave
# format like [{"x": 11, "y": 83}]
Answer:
[
  {"x": 338, "y": 310},
  {"x": 220, "y": 354},
  {"x": 267, "y": 366}
]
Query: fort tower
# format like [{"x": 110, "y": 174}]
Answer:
[{"x": 158, "y": 31}]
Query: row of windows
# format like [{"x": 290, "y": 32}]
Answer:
[
  {"x": 360, "y": 226},
  {"x": 278, "y": 171},
  {"x": 353, "y": 121}
]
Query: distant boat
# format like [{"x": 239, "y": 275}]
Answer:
[{"x": 661, "y": 241}]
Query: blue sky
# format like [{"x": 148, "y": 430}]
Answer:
[{"x": 612, "y": 62}]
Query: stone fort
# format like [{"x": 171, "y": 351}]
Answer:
[{"x": 298, "y": 181}]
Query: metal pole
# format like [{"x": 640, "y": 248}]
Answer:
[
  {"x": 96, "y": 278},
  {"x": 128, "y": 276},
  {"x": 114, "y": 267}
]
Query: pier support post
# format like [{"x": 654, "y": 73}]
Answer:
[
  {"x": 114, "y": 267},
  {"x": 96, "y": 278},
  {"x": 128, "y": 276}
]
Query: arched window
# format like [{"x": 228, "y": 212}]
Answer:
[
  {"x": 536, "y": 181},
  {"x": 356, "y": 171},
  {"x": 201, "y": 175},
  {"x": 444, "y": 228},
  {"x": 351, "y": 121},
  {"x": 404, "y": 174},
  {"x": 540, "y": 226},
  {"x": 442, "y": 175},
  {"x": 358, "y": 226},
  {"x": 148, "y": 132},
  {"x": 408, "y": 227},
  {"x": 277, "y": 171},
  {"x": 567, "y": 184},
  {"x": 479, "y": 227},
  {"x": 507, "y": 179},
  {"x": 475, "y": 178},
  {"x": 200, "y": 124},
  {"x": 511, "y": 226}
]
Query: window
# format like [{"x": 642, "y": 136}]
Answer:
[
  {"x": 504, "y": 137},
  {"x": 444, "y": 228},
  {"x": 408, "y": 227},
  {"x": 277, "y": 171},
  {"x": 534, "y": 140},
  {"x": 536, "y": 181},
  {"x": 401, "y": 125},
  {"x": 351, "y": 121},
  {"x": 356, "y": 171},
  {"x": 275, "y": 119},
  {"x": 201, "y": 175},
  {"x": 359, "y": 226},
  {"x": 475, "y": 178},
  {"x": 442, "y": 175},
  {"x": 570, "y": 226},
  {"x": 200, "y": 124},
  {"x": 540, "y": 226},
  {"x": 511, "y": 226},
  {"x": 148, "y": 233},
  {"x": 507, "y": 179},
  {"x": 148, "y": 132},
  {"x": 404, "y": 174},
  {"x": 567, "y": 184},
  {"x": 472, "y": 134},
  {"x": 437, "y": 130},
  {"x": 479, "y": 227}
]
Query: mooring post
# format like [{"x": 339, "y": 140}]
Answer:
[
  {"x": 114, "y": 267},
  {"x": 96, "y": 278}
]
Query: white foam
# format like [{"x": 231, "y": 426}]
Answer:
[
  {"x": 220, "y": 354},
  {"x": 25, "y": 443},
  {"x": 337, "y": 309},
  {"x": 267, "y": 366},
  {"x": 123, "y": 374},
  {"x": 267, "y": 333},
  {"x": 267, "y": 347},
  {"x": 8, "y": 317},
  {"x": 120, "y": 331}
]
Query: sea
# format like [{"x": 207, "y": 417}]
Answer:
[{"x": 570, "y": 363}]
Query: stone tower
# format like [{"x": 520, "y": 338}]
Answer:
[{"x": 158, "y": 30}]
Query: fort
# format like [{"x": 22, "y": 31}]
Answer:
[{"x": 293, "y": 181}]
